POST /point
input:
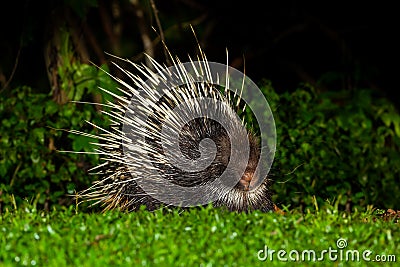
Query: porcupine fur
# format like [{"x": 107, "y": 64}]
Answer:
[{"x": 118, "y": 186}]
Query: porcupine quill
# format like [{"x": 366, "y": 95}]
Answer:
[{"x": 137, "y": 168}]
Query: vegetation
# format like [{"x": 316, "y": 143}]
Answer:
[
  {"x": 197, "y": 237},
  {"x": 343, "y": 146},
  {"x": 336, "y": 166},
  {"x": 340, "y": 146}
]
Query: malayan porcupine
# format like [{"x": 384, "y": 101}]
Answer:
[{"x": 177, "y": 140}]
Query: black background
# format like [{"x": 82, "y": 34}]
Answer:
[{"x": 287, "y": 42}]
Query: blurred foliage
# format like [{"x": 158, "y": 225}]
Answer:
[
  {"x": 342, "y": 146},
  {"x": 34, "y": 131}
]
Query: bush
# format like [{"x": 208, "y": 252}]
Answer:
[
  {"x": 34, "y": 129},
  {"x": 341, "y": 146}
]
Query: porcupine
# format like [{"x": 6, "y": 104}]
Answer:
[{"x": 158, "y": 151}]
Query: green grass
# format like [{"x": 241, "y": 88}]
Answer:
[{"x": 197, "y": 237}]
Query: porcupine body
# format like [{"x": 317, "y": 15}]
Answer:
[{"x": 167, "y": 145}]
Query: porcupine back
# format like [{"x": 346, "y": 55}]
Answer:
[{"x": 167, "y": 144}]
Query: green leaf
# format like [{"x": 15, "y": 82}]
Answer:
[
  {"x": 81, "y": 143},
  {"x": 38, "y": 134}
]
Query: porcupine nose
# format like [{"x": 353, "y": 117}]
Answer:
[{"x": 245, "y": 181}]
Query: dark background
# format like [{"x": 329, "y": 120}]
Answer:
[
  {"x": 332, "y": 45},
  {"x": 333, "y": 68}
]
